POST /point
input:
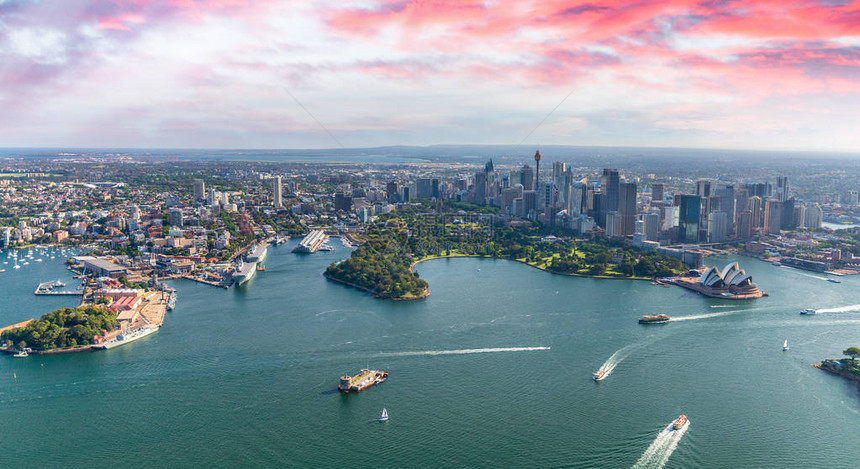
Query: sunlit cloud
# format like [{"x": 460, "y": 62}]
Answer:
[{"x": 197, "y": 73}]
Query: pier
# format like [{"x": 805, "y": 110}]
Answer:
[
  {"x": 47, "y": 288},
  {"x": 312, "y": 242}
]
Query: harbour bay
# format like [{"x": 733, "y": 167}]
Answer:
[{"x": 250, "y": 374}]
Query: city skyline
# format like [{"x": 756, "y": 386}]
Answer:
[{"x": 230, "y": 74}]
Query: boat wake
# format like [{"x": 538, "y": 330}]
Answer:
[
  {"x": 705, "y": 316},
  {"x": 812, "y": 276},
  {"x": 421, "y": 353},
  {"x": 841, "y": 309},
  {"x": 616, "y": 358},
  {"x": 661, "y": 448},
  {"x": 722, "y": 306}
]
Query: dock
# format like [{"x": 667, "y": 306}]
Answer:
[
  {"x": 312, "y": 242},
  {"x": 47, "y": 288}
]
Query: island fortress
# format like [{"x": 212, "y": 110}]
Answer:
[{"x": 730, "y": 283}]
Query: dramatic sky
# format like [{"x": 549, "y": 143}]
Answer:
[{"x": 231, "y": 73}]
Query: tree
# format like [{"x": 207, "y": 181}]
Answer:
[{"x": 852, "y": 352}]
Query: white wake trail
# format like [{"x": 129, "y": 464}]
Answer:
[
  {"x": 841, "y": 309},
  {"x": 657, "y": 455},
  {"x": 419, "y": 353},
  {"x": 616, "y": 358},
  {"x": 812, "y": 276},
  {"x": 705, "y": 316}
]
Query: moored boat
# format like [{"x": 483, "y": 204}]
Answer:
[
  {"x": 679, "y": 422},
  {"x": 654, "y": 319},
  {"x": 21, "y": 354}
]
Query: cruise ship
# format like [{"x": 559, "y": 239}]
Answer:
[
  {"x": 126, "y": 337},
  {"x": 244, "y": 271},
  {"x": 258, "y": 254},
  {"x": 312, "y": 242}
]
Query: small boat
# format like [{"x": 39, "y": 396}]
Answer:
[
  {"x": 833, "y": 280},
  {"x": 785, "y": 345},
  {"x": 39, "y": 260},
  {"x": 679, "y": 422},
  {"x": 776, "y": 264},
  {"x": 384, "y": 416},
  {"x": 808, "y": 311},
  {"x": 21, "y": 354},
  {"x": 2, "y": 270},
  {"x": 599, "y": 375}
]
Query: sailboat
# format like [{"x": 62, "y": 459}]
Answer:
[
  {"x": 384, "y": 416},
  {"x": 785, "y": 345}
]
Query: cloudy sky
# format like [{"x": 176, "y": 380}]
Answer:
[{"x": 231, "y": 73}]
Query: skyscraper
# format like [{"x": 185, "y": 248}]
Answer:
[
  {"x": 175, "y": 217},
  {"x": 782, "y": 188},
  {"x": 717, "y": 226},
  {"x": 199, "y": 190},
  {"x": 756, "y": 212},
  {"x": 688, "y": 218},
  {"x": 610, "y": 185},
  {"x": 278, "y": 189},
  {"x": 392, "y": 189},
  {"x": 744, "y": 225},
  {"x": 703, "y": 188},
  {"x": 558, "y": 177},
  {"x": 480, "y": 188},
  {"x": 528, "y": 178},
  {"x": 813, "y": 216},
  {"x": 627, "y": 207},
  {"x": 424, "y": 188},
  {"x": 657, "y": 192},
  {"x": 773, "y": 216}
]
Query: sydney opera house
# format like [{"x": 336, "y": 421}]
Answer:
[{"x": 729, "y": 283}]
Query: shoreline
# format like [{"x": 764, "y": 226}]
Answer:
[
  {"x": 830, "y": 366},
  {"x": 375, "y": 293},
  {"x": 542, "y": 269}
]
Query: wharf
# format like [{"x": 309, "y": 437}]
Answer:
[
  {"x": 213, "y": 283},
  {"x": 46, "y": 288}
]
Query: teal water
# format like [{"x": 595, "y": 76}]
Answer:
[{"x": 245, "y": 377}]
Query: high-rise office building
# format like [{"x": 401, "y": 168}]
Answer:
[
  {"x": 175, "y": 217},
  {"x": 627, "y": 207},
  {"x": 480, "y": 188},
  {"x": 424, "y": 188},
  {"x": 726, "y": 194},
  {"x": 342, "y": 202},
  {"x": 199, "y": 190},
  {"x": 744, "y": 225},
  {"x": 717, "y": 226},
  {"x": 773, "y": 210},
  {"x": 610, "y": 183},
  {"x": 657, "y": 192},
  {"x": 576, "y": 199},
  {"x": 278, "y": 192},
  {"x": 756, "y": 211},
  {"x": 529, "y": 204},
  {"x": 614, "y": 224},
  {"x": 703, "y": 188},
  {"x": 528, "y": 178},
  {"x": 782, "y": 188},
  {"x": 689, "y": 212},
  {"x": 650, "y": 225},
  {"x": 392, "y": 190},
  {"x": 558, "y": 177},
  {"x": 814, "y": 217}
]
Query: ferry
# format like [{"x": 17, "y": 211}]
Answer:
[
  {"x": 808, "y": 311},
  {"x": 679, "y": 422},
  {"x": 126, "y": 337},
  {"x": 599, "y": 375},
  {"x": 833, "y": 280},
  {"x": 361, "y": 380},
  {"x": 654, "y": 319}
]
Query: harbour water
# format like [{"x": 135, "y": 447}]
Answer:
[{"x": 493, "y": 369}]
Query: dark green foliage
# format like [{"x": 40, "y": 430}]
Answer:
[
  {"x": 377, "y": 267},
  {"x": 65, "y": 327}
]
